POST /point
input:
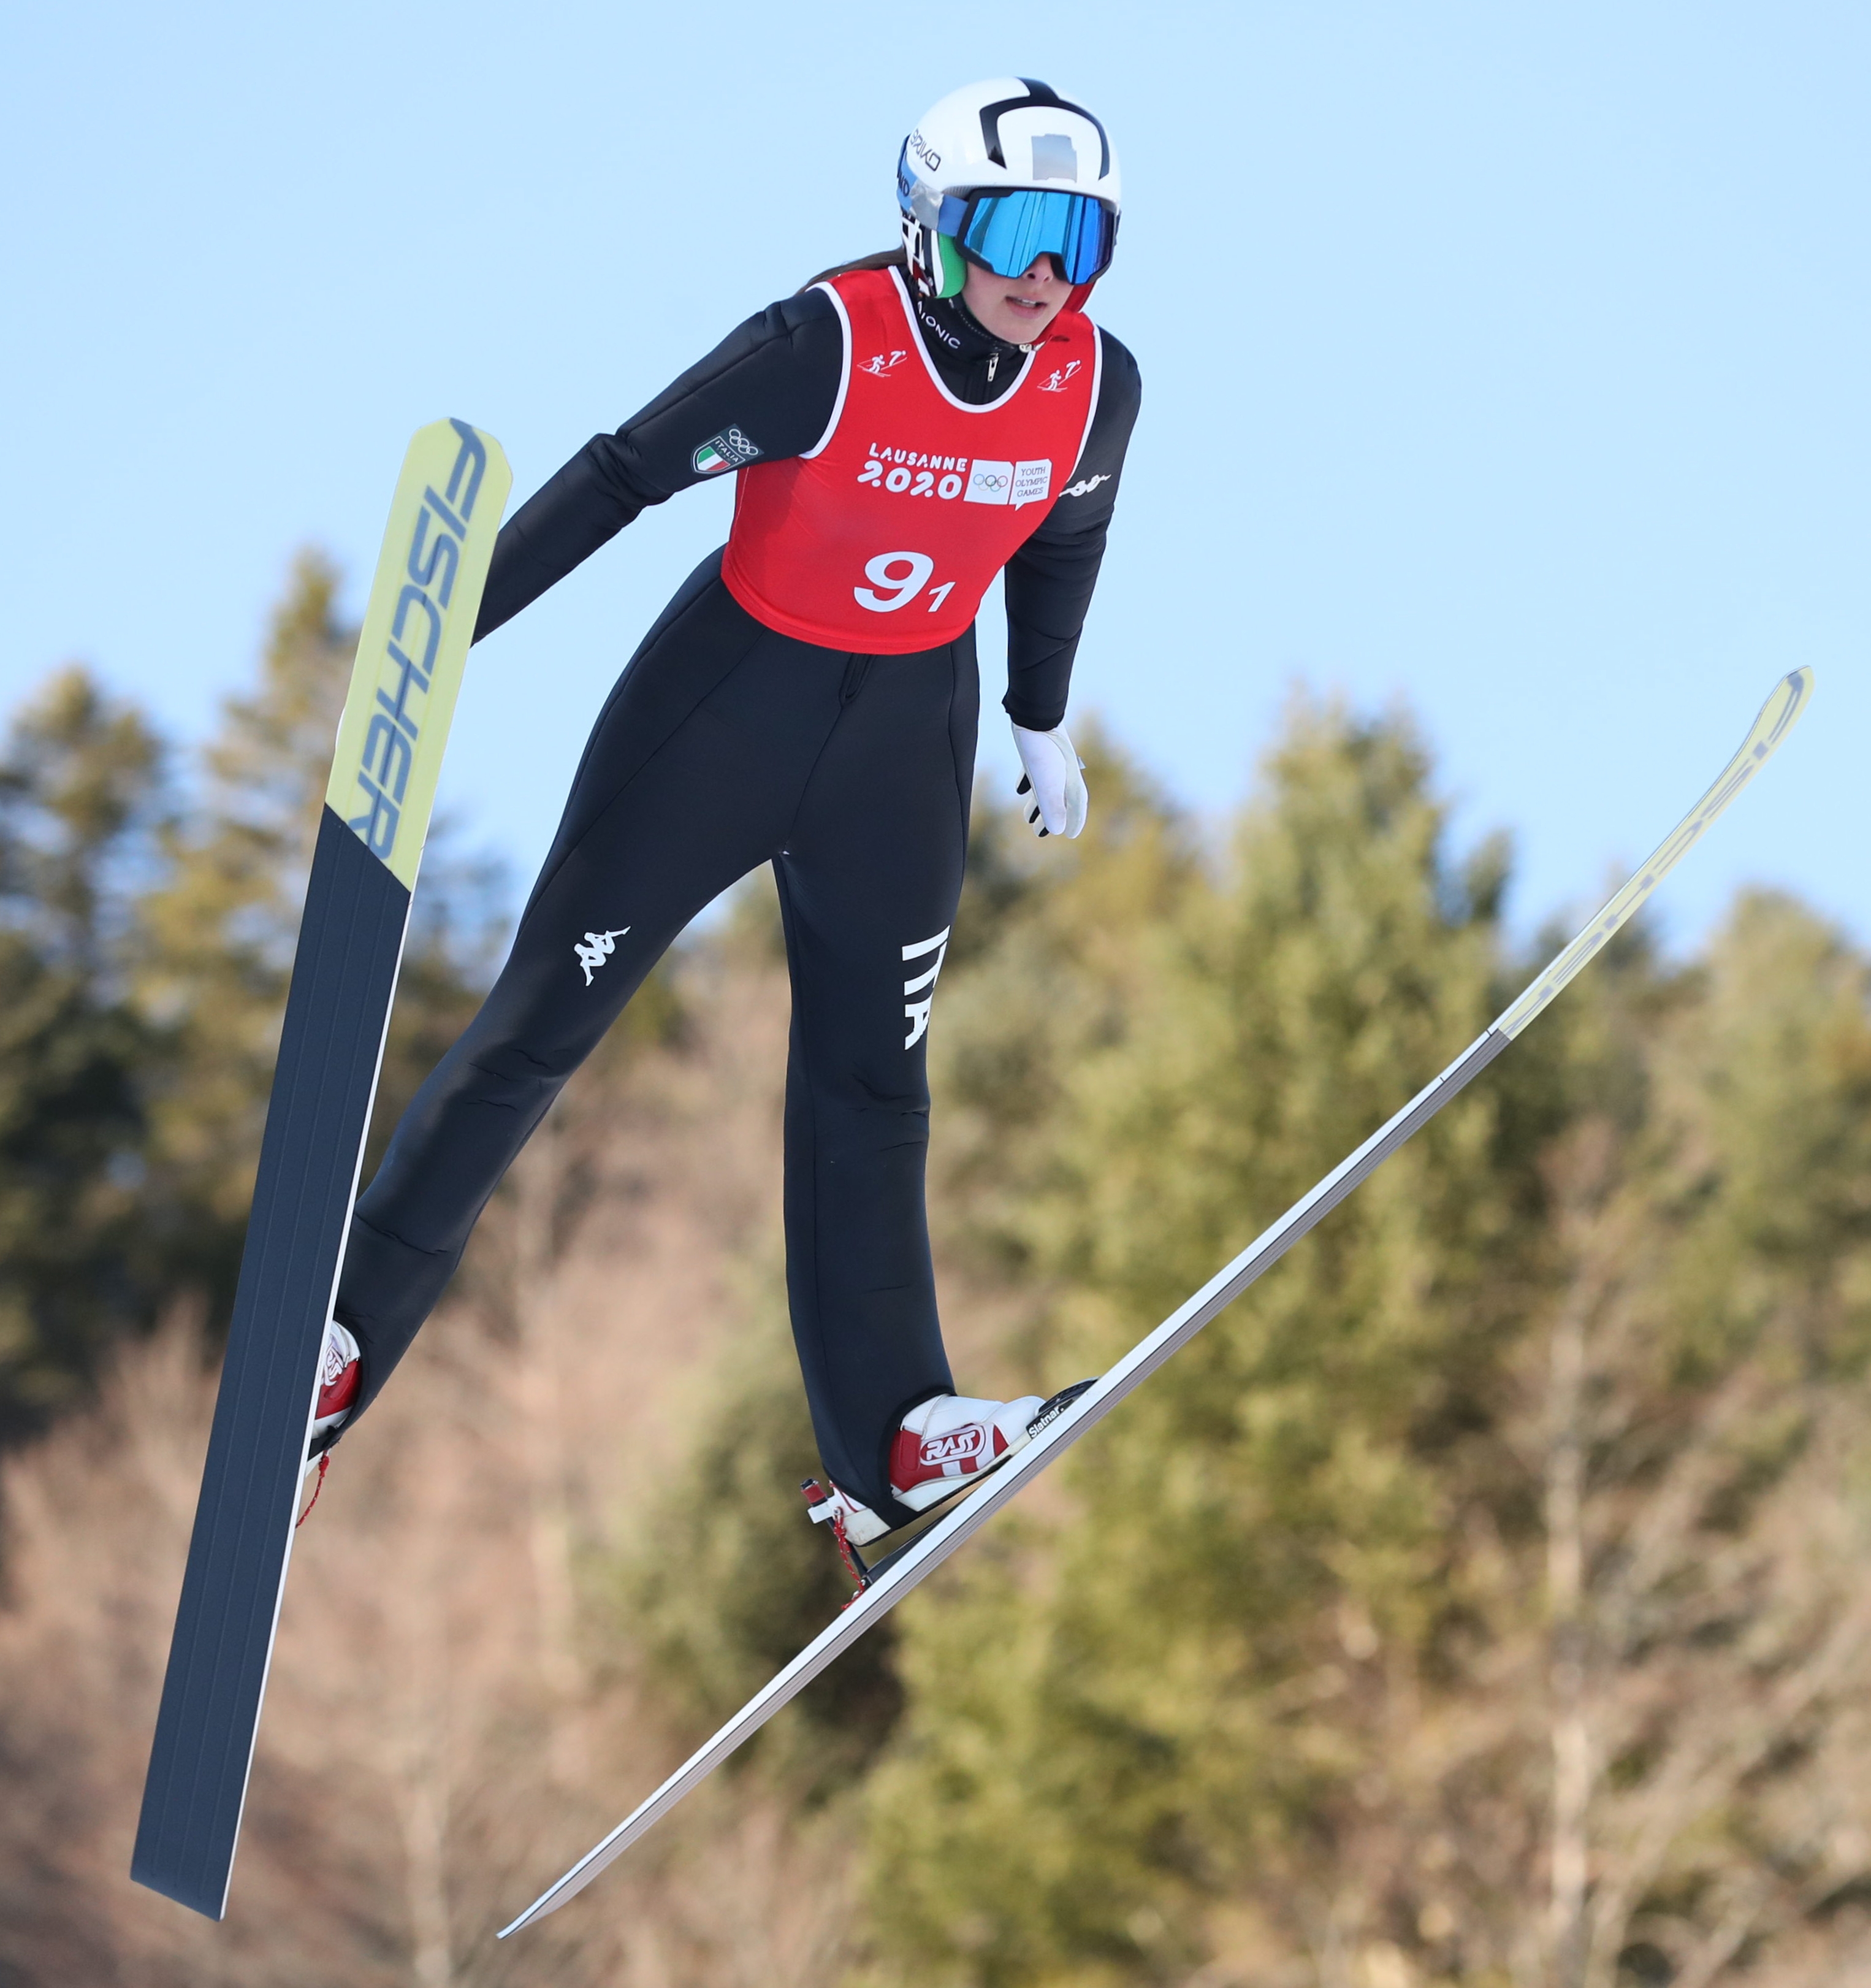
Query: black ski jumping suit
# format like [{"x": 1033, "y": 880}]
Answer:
[{"x": 725, "y": 744}]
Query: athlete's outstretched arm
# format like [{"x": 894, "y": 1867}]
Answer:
[
  {"x": 1050, "y": 579},
  {"x": 775, "y": 378}
]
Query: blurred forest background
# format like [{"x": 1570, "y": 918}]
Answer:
[{"x": 1483, "y": 1600}]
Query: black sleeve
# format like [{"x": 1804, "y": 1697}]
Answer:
[
  {"x": 774, "y": 379},
  {"x": 1050, "y": 579}
]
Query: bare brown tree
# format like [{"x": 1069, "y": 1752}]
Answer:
[{"x": 450, "y": 1720}]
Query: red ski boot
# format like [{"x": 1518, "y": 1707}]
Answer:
[
  {"x": 943, "y": 1445},
  {"x": 952, "y": 1438},
  {"x": 338, "y": 1379}
]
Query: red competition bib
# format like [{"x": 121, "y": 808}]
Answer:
[{"x": 883, "y": 537}]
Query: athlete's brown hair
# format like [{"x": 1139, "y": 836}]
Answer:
[{"x": 885, "y": 258}]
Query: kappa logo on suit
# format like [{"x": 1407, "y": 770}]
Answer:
[{"x": 595, "y": 948}]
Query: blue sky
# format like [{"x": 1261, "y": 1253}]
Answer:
[{"x": 1507, "y": 361}]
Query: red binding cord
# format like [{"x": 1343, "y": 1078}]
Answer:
[
  {"x": 845, "y": 1554},
  {"x": 324, "y": 1465}
]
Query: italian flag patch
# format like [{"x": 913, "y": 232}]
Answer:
[{"x": 730, "y": 449}]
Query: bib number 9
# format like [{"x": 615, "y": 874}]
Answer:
[{"x": 896, "y": 579}]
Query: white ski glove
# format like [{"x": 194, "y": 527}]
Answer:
[{"x": 1053, "y": 786}]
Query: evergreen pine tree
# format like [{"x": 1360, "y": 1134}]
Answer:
[
  {"x": 78, "y": 788},
  {"x": 1480, "y": 1598},
  {"x": 1145, "y": 1730},
  {"x": 218, "y": 938}
]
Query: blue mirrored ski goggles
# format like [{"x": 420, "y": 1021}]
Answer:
[{"x": 1008, "y": 232}]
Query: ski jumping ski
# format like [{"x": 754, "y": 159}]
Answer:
[
  {"x": 895, "y": 1576},
  {"x": 410, "y": 658}
]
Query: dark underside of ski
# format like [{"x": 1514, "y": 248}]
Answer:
[
  {"x": 410, "y": 656},
  {"x": 895, "y": 1576},
  {"x": 342, "y": 981}
]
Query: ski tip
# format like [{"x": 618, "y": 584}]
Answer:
[
  {"x": 1786, "y": 703},
  {"x": 1788, "y": 699}
]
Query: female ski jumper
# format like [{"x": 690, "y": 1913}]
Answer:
[{"x": 808, "y": 698}]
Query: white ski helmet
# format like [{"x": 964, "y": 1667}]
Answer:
[{"x": 1000, "y": 173}]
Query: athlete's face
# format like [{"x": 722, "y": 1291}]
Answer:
[{"x": 1017, "y": 308}]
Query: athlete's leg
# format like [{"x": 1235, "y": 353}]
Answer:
[
  {"x": 869, "y": 884},
  {"x": 692, "y": 775}
]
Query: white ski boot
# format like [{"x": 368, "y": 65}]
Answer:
[
  {"x": 339, "y": 1377},
  {"x": 943, "y": 1445},
  {"x": 951, "y": 1438}
]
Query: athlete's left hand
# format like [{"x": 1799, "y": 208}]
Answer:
[{"x": 1052, "y": 788}]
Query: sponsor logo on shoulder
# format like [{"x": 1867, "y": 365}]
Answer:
[
  {"x": 595, "y": 948},
  {"x": 881, "y": 362},
  {"x": 1084, "y": 487},
  {"x": 730, "y": 449},
  {"x": 1054, "y": 381}
]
